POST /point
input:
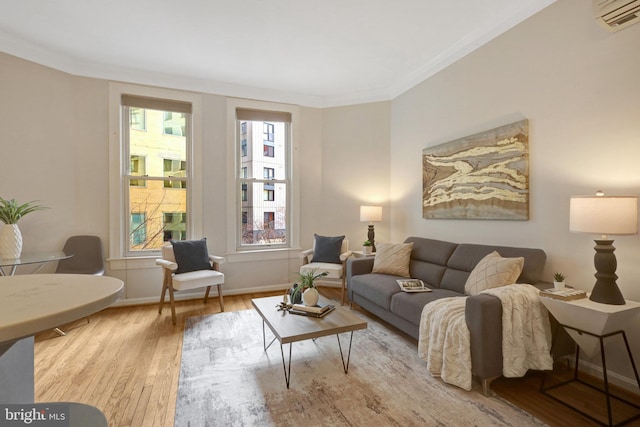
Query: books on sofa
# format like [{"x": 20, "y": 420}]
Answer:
[{"x": 412, "y": 285}]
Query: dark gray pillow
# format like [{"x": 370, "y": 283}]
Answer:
[
  {"x": 191, "y": 255},
  {"x": 327, "y": 249}
]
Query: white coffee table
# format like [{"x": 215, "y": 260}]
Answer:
[{"x": 289, "y": 328}]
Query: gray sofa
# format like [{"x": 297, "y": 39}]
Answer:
[{"x": 444, "y": 267}]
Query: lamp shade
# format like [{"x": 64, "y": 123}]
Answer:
[
  {"x": 371, "y": 213},
  {"x": 604, "y": 215}
]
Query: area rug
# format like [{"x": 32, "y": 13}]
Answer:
[{"x": 227, "y": 379}]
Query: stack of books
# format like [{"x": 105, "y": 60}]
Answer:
[
  {"x": 566, "y": 294},
  {"x": 319, "y": 310}
]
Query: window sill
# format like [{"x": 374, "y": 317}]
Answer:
[
  {"x": 262, "y": 255},
  {"x": 132, "y": 263}
]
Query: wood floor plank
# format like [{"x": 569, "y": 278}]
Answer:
[{"x": 126, "y": 362}]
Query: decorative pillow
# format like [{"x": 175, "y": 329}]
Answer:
[
  {"x": 493, "y": 271},
  {"x": 191, "y": 255},
  {"x": 393, "y": 258},
  {"x": 327, "y": 249}
]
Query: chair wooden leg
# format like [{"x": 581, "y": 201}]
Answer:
[
  {"x": 164, "y": 291},
  {"x": 173, "y": 305},
  {"x": 206, "y": 294},
  {"x": 220, "y": 297},
  {"x": 343, "y": 289}
]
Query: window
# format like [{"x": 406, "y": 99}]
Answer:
[
  {"x": 269, "y": 193},
  {"x": 174, "y": 168},
  {"x": 156, "y": 205},
  {"x": 138, "y": 229},
  {"x": 263, "y": 177},
  {"x": 138, "y": 168},
  {"x": 174, "y": 123},
  {"x": 268, "y": 132},
  {"x": 174, "y": 226},
  {"x": 138, "y": 119},
  {"x": 269, "y": 220}
]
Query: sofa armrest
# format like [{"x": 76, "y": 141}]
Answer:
[
  {"x": 356, "y": 266},
  {"x": 483, "y": 314}
]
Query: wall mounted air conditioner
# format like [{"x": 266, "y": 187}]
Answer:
[{"x": 615, "y": 15}]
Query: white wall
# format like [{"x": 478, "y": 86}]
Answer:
[
  {"x": 55, "y": 148},
  {"x": 578, "y": 86}
]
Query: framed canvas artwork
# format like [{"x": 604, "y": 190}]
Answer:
[{"x": 482, "y": 176}]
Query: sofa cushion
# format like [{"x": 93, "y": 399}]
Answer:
[
  {"x": 467, "y": 255},
  {"x": 327, "y": 249},
  {"x": 409, "y": 305},
  {"x": 393, "y": 259},
  {"x": 377, "y": 288},
  {"x": 493, "y": 271}
]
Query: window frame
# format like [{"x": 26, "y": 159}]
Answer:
[
  {"x": 119, "y": 163},
  {"x": 235, "y": 250}
]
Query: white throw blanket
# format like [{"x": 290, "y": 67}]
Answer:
[{"x": 445, "y": 343}]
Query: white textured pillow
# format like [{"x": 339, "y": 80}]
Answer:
[
  {"x": 393, "y": 259},
  {"x": 493, "y": 271}
]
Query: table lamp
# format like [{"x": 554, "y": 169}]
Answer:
[
  {"x": 610, "y": 215},
  {"x": 371, "y": 214}
]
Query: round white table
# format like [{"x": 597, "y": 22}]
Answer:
[{"x": 33, "y": 303}]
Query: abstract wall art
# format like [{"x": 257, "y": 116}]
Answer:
[{"x": 482, "y": 176}]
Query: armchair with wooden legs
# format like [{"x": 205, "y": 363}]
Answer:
[{"x": 174, "y": 281}]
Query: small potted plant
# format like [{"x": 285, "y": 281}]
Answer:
[
  {"x": 367, "y": 247},
  {"x": 10, "y": 236},
  {"x": 305, "y": 289},
  {"x": 558, "y": 281}
]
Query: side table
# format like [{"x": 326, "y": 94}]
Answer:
[
  {"x": 361, "y": 254},
  {"x": 589, "y": 323}
]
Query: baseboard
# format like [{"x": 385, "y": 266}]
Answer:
[
  {"x": 183, "y": 296},
  {"x": 628, "y": 384}
]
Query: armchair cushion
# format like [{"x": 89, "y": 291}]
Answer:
[
  {"x": 191, "y": 255},
  {"x": 327, "y": 249},
  {"x": 493, "y": 271}
]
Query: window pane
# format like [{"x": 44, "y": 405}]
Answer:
[
  {"x": 160, "y": 204},
  {"x": 138, "y": 168},
  {"x": 138, "y": 229},
  {"x": 163, "y": 213},
  {"x": 264, "y": 219},
  {"x": 263, "y": 183}
]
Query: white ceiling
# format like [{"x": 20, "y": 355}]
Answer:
[{"x": 311, "y": 52}]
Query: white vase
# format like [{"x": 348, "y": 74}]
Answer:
[
  {"x": 366, "y": 250},
  {"x": 558, "y": 285},
  {"x": 10, "y": 241},
  {"x": 310, "y": 297}
]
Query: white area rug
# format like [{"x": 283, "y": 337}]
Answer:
[{"x": 227, "y": 379}]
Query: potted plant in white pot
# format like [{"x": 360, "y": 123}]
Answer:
[
  {"x": 558, "y": 281},
  {"x": 367, "y": 247},
  {"x": 305, "y": 291},
  {"x": 10, "y": 236}
]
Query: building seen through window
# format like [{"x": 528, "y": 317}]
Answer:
[
  {"x": 157, "y": 180},
  {"x": 263, "y": 182}
]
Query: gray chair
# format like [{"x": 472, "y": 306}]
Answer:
[{"x": 86, "y": 258}]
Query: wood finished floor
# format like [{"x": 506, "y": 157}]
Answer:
[{"x": 126, "y": 362}]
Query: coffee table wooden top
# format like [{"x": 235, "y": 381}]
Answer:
[{"x": 289, "y": 328}]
